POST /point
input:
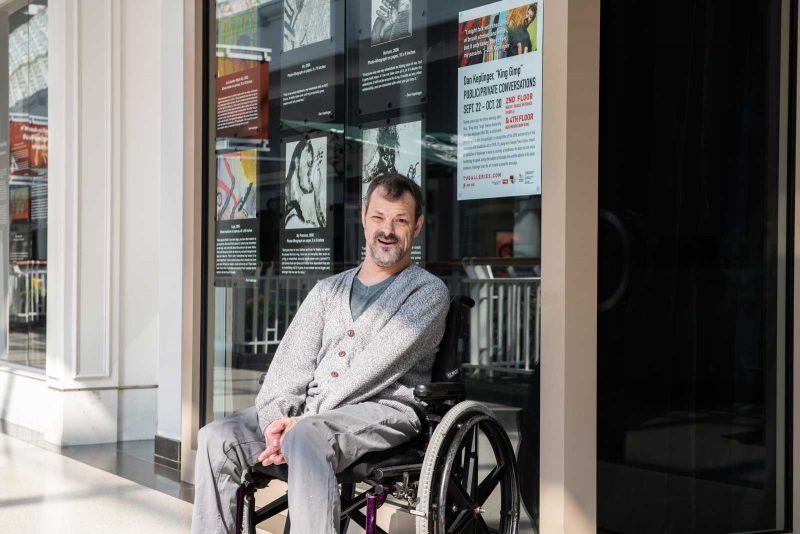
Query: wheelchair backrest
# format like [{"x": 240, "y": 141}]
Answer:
[{"x": 447, "y": 366}]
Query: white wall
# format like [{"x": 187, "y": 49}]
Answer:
[
  {"x": 105, "y": 331},
  {"x": 115, "y": 242}
]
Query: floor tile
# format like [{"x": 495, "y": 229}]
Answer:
[{"x": 45, "y": 492}]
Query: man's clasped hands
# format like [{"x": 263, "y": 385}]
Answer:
[{"x": 273, "y": 436}]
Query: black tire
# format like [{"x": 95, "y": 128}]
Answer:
[{"x": 449, "y": 493}]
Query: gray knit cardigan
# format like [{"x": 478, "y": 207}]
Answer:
[{"x": 379, "y": 357}]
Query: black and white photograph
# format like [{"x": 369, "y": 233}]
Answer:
[
  {"x": 305, "y": 187},
  {"x": 305, "y": 22},
  {"x": 391, "y": 20},
  {"x": 392, "y": 148}
]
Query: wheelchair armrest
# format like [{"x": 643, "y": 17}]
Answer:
[{"x": 439, "y": 391}]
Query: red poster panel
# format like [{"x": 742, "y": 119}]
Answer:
[
  {"x": 242, "y": 105},
  {"x": 28, "y": 148}
]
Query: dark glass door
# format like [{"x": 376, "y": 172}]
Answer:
[{"x": 694, "y": 330}]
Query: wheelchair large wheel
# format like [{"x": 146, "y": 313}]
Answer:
[{"x": 469, "y": 478}]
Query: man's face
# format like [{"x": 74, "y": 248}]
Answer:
[{"x": 389, "y": 227}]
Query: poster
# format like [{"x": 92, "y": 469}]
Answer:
[
  {"x": 242, "y": 103},
  {"x": 392, "y": 69},
  {"x": 307, "y": 228},
  {"x": 499, "y": 100},
  {"x": 237, "y": 226},
  {"x": 393, "y": 146},
  {"x": 308, "y": 66},
  {"x": 28, "y": 146}
]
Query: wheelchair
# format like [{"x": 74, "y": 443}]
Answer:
[{"x": 436, "y": 476}]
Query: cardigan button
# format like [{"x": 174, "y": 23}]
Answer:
[
  {"x": 334, "y": 374},
  {"x": 351, "y": 333},
  {"x": 342, "y": 354}
]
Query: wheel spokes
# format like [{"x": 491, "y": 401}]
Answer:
[
  {"x": 459, "y": 495},
  {"x": 489, "y": 483},
  {"x": 460, "y": 523},
  {"x": 470, "y": 478},
  {"x": 471, "y": 461}
]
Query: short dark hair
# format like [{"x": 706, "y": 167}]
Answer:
[{"x": 395, "y": 185}]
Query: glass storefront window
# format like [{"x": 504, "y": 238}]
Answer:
[
  {"x": 694, "y": 325},
  {"x": 23, "y": 184},
  {"x": 307, "y": 102}
]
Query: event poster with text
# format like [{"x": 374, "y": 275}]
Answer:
[{"x": 499, "y": 100}]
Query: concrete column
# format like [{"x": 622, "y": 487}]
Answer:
[
  {"x": 170, "y": 267},
  {"x": 83, "y": 252},
  {"x": 568, "y": 501},
  {"x": 104, "y": 172},
  {"x": 192, "y": 221}
]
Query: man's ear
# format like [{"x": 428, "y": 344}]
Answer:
[
  {"x": 364, "y": 216},
  {"x": 418, "y": 226}
]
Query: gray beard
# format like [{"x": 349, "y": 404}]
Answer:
[{"x": 375, "y": 253}]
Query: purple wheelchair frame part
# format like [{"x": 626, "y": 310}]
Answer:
[
  {"x": 374, "y": 502},
  {"x": 243, "y": 489}
]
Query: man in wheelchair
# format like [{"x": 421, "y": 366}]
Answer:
[{"x": 341, "y": 382}]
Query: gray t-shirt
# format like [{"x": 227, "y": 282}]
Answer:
[{"x": 361, "y": 296}]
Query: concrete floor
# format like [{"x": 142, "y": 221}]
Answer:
[{"x": 45, "y": 492}]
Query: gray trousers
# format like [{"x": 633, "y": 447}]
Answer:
[{"x": 315, "y": 449}]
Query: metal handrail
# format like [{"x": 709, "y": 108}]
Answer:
[
  {"x": 28, "y": 293},
  {"x": 504, "y": 326}
]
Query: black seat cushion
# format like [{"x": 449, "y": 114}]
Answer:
[{"x": 409, "y": 453}]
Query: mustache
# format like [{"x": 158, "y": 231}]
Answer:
[{"x": 386, "y": 237}]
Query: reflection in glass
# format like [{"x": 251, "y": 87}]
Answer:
[
  {"x": 692, "y": 337},
  {"x": 23, "y": 185},
  {"x": 311, "y": 172}
]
